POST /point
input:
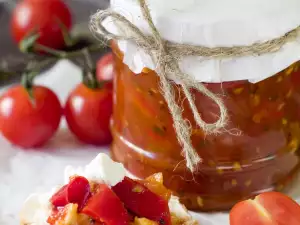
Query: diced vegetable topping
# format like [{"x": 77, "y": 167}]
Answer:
[
  {"x": 143, "y": 221},
  {"x": 155, "y": 184},
  {"x": 129, "y": 202},
  {"x": 64, "y": 216},
  {"x": 143, "y": 202},
  {"x": 60, "y": 198},
  {"x": 105, "y": 206},
  {"x": 77, "y": 191}
]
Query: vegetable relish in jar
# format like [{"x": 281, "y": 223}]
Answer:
[{"x": 257, "y": 149}]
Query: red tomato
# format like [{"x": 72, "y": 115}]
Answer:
[
  {"x": 43, "y": 17},
  {"x": 143, "y": 202},
  {"x": 105, "y": 68},
  {"x": 270, "y": 208},
  {"x": 88, "y": 113},
  {"x": 106, "y": 207},
  {"x": 76, "y": 191},
  {"x": 28, "y": 123}
]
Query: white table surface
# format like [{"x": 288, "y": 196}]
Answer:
[{"x": 23, "y": 172}]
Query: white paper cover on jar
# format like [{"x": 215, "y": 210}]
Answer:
[{"x": 215, "y": 23}]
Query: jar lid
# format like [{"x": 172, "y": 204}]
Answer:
[{"x": 216, "y": 23}]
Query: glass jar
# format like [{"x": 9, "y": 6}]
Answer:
[{"x": 264, "y": 157}]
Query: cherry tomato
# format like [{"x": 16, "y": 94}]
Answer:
[
  {"x": 270, "y": 208},
  {"x": 29, "y": 123},
  {"x": 88, "y": 113},
  {"x": 76, "y": 191},
  {"x": 105, "y": 68},
  {"x": 143, "y": 202},
  {"x": 104, "y": 206},
  {"x": 42, "y": 17}
]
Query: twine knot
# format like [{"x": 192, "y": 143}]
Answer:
[{"x": 166, "y": 55}]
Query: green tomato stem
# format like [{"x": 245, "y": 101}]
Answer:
[
  {"x": 66, "y": 35},
  {"x": 55, "y": 56},
  {"x": 51, "y": 51}
]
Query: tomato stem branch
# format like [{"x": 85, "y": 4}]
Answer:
[
  {"x": 55, "y": 55},
  {"x": 89, "y": 72},
  {"x": 66, "y": 35},
  {"x": 51, "y": 51},
  {"x": 88, "y": 59}
]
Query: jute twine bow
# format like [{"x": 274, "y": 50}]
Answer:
[{"x": 167, "y": 55}]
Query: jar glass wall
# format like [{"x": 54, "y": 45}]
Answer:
[{"x": 264, "y": 157}]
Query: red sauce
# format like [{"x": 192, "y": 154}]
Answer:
[{"x": 234, "y": 167}]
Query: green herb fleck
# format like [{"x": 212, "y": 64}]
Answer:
[{"x": 160, "y": 130}]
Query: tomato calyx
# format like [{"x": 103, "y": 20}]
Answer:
[
  {"x": 69, "y": 42},
  {"x": 89, "y": 78},
  {"x": 28, "y": 43},
  {"x": 94, "y": 84},
  {"x": 27, "y": 83}
]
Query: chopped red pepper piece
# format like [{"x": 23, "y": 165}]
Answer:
[
  {"x": 60, "y": 198},
  {"x": 143, "y": 202},
  {"x": 105, "y": 206},
  {"x": 77, "y": 191}
]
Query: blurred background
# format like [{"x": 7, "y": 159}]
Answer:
[{"x": 10, "y": 56}]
